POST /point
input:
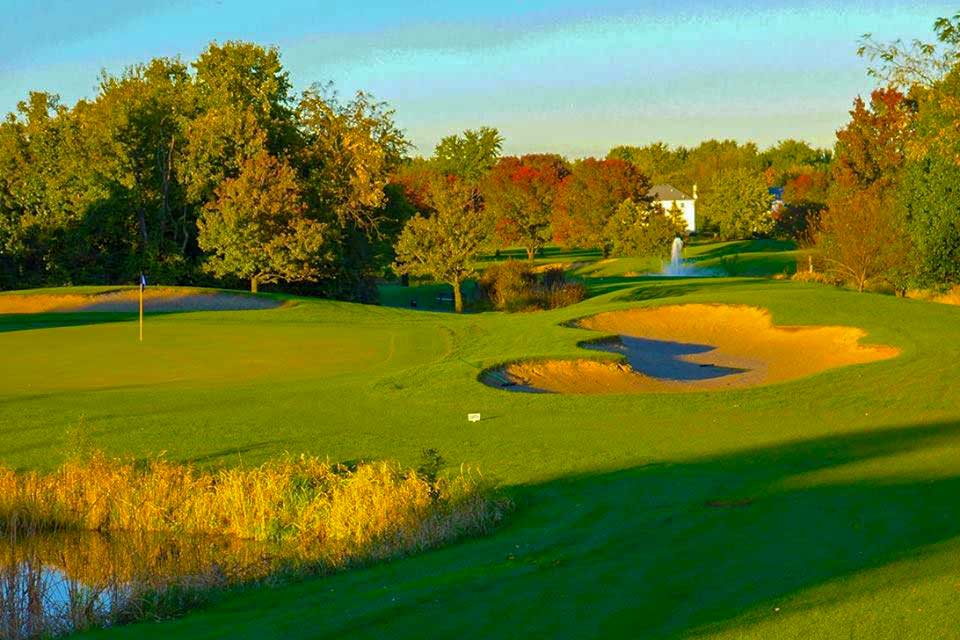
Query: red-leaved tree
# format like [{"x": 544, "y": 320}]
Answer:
[
  {"x": 519, "y": 195},
  {"x": 590, "y": 196}
]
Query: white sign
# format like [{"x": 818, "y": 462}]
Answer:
[{"x": 473, "y": 417}]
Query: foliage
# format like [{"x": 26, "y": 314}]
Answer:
[
  {"x": 789, "y": 158},
  {"x": 862, "y": 241},
  {"x": 508, "y": 282},
  {"x": 470, "y": 155},
  {"x": 738, "y": 203},
  {"x": 515, "y": 286},
  {"x": 519, "y": 194},
  {"x": 861, "y": 234},
  {"x": 872, "y": 147},
  {"x": 257, "y": 228},
  {"x": 589, "y": 198},
  {"x": 917, "y": 63},
  {"x": 642, "y": 229},
  {"x": 444, "y": 244},
  {"x": 929, "y": 199},
  {"x": 313, "y": 510},
  {"x": 117, "y": 185}
]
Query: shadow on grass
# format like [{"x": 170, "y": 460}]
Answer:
[
  {"x": 29, "y": 321},
  {"x": 658, "y": 550},
  {"x": 741, "y": 246},
  {"x": 655, "y": 287}
]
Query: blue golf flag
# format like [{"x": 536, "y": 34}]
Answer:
[{"x": 143, "y": 281}]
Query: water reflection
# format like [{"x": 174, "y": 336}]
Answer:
[{"x": 52, "y": 584}]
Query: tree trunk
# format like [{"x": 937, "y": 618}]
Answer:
[
  {"x": 457, "y": 297},
  {"x": 253, "y": 284},
  {"x": 531, "y": 252}
]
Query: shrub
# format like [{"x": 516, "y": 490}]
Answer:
[
  {"x": 514, "y": 286},
  {"x": 503, "y": 284}
]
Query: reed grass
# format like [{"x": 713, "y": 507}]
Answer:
[{"x": 311, "y": 509}]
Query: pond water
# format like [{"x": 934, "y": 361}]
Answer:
[
  {"x": 662, "y": 359},
  {"x": 54, "y": 584}
]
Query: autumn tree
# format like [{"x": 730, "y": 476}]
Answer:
[
  {"x": 739, "y": 204},
  {"x": 519, "y": 195},
  {"x": 861, "y": 234},
  {"x": 862, "y": 240},
  {"x": 445, "y": 243},
  {"x": 590, "y": 196},
  {"x": 257, "y": 228}
]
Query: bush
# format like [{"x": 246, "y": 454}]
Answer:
[
  {"x": 504, "y": 283},
  {"x": 514, "y": 286}
]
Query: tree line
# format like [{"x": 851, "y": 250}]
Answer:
[
  {"x": 217, "y": 172},
  {"x": 893, "y": 208}
]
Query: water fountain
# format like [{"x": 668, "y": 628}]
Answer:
[{"x": 677, "y": 266}]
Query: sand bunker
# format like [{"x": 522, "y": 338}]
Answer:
[
  {"x": 694, "y": 347},
  {"x": 126, "y": 301}
]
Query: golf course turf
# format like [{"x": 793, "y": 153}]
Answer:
[{"x": 823, "y": 507}]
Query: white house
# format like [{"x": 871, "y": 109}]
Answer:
[{"x": 667, "y": 195}]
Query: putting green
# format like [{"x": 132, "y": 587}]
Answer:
[{"x": 820, "y": 507}]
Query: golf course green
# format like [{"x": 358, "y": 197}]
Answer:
[{"x": 823, "y": 507}]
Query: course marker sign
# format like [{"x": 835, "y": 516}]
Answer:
[{"x": 473, "y": 417}]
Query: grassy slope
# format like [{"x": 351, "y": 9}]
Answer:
[{"x": 853, "y": 529}]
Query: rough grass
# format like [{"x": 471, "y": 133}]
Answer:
[{"x": 848, "y": 479}]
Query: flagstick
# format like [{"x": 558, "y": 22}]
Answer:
[{"x": 141, "y": 312}]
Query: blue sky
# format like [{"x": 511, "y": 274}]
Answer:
[{"x": 552, "y": 75}]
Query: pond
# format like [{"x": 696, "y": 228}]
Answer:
[{"x": 57, "y": 583}]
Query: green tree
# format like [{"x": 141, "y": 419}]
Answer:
[
  {"x": 469, "y": 156},
  {"x": 257, "y": 227},
  {"x": 640, "y": 229},
  {"x": 739, "y": 204},
  {"x": 928, "y": 197},
  {"x": 444, "y": 244}
]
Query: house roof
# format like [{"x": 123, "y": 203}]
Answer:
[{"x": 667, "y": 192}]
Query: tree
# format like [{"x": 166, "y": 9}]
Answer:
[
  {"x": 928, "y": 195},
  {"x": 917, "y": 63},
  {"x": 872, "y": 147},
  {"x": 519, "y": 195},
  {"x": 641, "y": 229},
  {"x": 861, "y": 234},
  {"x": 590, "y": 196},
  {"x": 257, "y": 227},
  {"x": 657, "y": 161},
  {"x": 792, "y": 157},
  {"x": 469, "y": 156},
  {"x": 739, "y": 204},
  {"x": 445, "y": 243},
  {"x": 862, "y": 241}
]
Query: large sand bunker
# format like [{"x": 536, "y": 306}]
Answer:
[
  {"x": 127, "y": 301},
  {"x": 693, "y": 347}
]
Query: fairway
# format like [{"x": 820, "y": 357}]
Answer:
[{"x": 828, "y": 502}]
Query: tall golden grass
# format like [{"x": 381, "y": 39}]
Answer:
[{"x": 311, "y": 509}]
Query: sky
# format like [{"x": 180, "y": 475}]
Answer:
[{"x": 573, "y": 77}]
